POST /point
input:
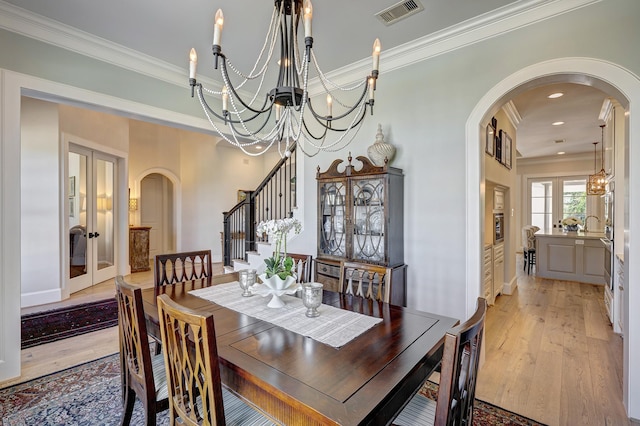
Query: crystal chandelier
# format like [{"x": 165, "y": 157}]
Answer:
[
  {"x": 598, "y": 181},
  {"x": 285, "y": 115}
]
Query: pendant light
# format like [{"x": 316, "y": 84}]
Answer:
[{"x": 597, "y": 181}]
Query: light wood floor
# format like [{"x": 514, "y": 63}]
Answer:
[{"x": 551, "y": 354}]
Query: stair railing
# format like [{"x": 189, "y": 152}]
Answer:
[{"x": 274, "y": 198}]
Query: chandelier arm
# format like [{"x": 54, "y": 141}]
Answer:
[
  {"x": 226, "y": 119},
  {"x": 324, "y": 79},
  {"x": 249, "y": 134},
  {"x": 354, "y": 123},
  {"x": 235, "y": 95},
  {"x": 339, "y": 117}
]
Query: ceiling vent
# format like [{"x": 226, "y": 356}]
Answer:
[
  {"x": 559, "y": 141},
  {"x": 399, "y": 11}
]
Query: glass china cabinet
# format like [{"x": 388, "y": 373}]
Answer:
[{"x": 360, "y": 215}]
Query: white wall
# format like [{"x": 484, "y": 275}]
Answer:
[{"x": 40, "y": 178}]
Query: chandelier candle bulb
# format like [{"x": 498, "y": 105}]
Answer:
[
  {"x": 278, "y": 112},
  {"x": 376, "y": 54},
  {"x": 329, "y": 106},
  {"x": 217, "y": 27},
  {"x": 225, "y": 99},
  {"x": 308, "y": 14},
  {"x": 193, "y": 62}
]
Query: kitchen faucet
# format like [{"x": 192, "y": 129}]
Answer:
[{"x": 585, "y": 222}]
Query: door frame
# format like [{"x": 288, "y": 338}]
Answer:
[
  {"x": 121, "y": 205},
  {"x": 177, "y": 199},
  {"x": 617, "y": 82}
]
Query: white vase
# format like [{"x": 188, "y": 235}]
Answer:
[
  {"x": 276, "y": 287},
  {"x": 381, "y": 150}
]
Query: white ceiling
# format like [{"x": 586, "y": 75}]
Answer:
[{"x": 343, "y": 32}]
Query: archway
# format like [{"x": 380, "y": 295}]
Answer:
[
  {"x": 617, "y": 83},
  {"x": 171, "y": 204}
]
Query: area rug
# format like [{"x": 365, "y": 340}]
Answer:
[
  {"x": 49, "y": 326},
  {"x": 89, "y": 395}
]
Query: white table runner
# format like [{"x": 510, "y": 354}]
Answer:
[{"x": 334, "y": 327}]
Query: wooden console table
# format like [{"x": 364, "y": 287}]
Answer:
[{"x": 139, "y": 248}]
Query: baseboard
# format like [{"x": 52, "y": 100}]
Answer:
[
  {"x": 510, "y": 287},
  {"x": 40, "y": 298}
]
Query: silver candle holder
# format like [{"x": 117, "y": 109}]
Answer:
[{"x": 312, "y": 298}]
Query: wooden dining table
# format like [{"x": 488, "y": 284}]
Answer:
[{"x": 299, "y": 381}]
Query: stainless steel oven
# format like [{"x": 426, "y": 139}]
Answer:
[{"x": 498, "y": 227}]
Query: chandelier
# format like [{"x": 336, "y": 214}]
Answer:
[
  {"x": 285, "y": 115},
  {"x": 598, "y": 181}
]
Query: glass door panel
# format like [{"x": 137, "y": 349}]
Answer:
[
  {"x": 332, "y": 206},
  {"x": 368, "y": 220},
  {"x": 91, "y": 212}
]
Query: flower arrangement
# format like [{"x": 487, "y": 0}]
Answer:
[
  {"x": 277, "y": 229},
  {"x": 571, "y": 221}
]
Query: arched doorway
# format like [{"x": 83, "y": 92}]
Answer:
[
  {"x": 617, "y": 83},
  {"x": 159, "y": 199}
]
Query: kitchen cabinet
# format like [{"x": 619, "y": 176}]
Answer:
[
  {"x": 487, "y": 268},
  {"x": 498, "y": 270},
  {"x": 360, "y": 214},
  {"x": 139, "y": 248},
  {"x": 576, "y": 256}
]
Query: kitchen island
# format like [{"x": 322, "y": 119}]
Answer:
[{"x": 571, "y": 256}]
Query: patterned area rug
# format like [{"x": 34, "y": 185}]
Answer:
[
  {"x": 89, "y": 395},
  {"x": 49, "y": 326},
  {"x": 485, "y": 413}
]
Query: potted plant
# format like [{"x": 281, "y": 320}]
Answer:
[{"x": 279, "y": 276}]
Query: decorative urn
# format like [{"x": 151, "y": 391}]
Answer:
[{"x": 381, "y": 150}]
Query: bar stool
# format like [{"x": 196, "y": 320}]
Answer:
[{"x": 529, "y": 247}]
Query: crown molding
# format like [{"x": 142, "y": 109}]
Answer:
[
  {"x": 512, "y": 114},
  {"x": 482, "y": 27},
  {"x": 526, "y": 161}
]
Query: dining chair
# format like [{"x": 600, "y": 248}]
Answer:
[
  {"x": 302, "y": 266},
  {"x": 362, "y": 279},
  {"x": 142, "y": 374},
  {"x": 196, "y": 396},
  {"x": 456, "y": 392},
  {"x": 529, "y": 246},
  {"x": 179, "y": 267}
]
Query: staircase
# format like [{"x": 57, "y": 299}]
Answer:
[{"x": 274, "y": 198}]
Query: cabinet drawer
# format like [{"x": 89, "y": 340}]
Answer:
[
  {"x": 498, "y": 252},
  {"x": 327, "y": 269}
]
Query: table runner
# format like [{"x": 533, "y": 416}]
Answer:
[{"x": 334, "y": 327}]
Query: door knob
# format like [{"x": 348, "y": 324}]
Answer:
[
  {"x": 90, "y": 234},
  {"x": 93, "y": 234}
]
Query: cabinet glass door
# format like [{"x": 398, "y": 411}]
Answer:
[
  {"x": 333, "y": 241},
  {"x": 368, "y": 220}
]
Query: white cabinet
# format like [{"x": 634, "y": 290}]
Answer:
[
  {"x": 487, "y": 268},
  {"x": 498, "y": 270}
]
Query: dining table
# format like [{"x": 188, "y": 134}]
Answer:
[{"x": 297, "y": 380}]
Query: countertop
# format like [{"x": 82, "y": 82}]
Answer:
[{"x": 557, "y": 233}]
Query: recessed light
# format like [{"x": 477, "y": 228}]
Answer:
[
  {"x": 555, "y": 95},
  {"x": 258, "y": 147},
  {"x": 561, "y": 152},
  {"x": 558, "y": 123}
]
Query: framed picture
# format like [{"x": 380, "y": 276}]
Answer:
[
  {"x": 506, "y": 150},
  {"x": 72, "y": 186},
  {"x": 72, "y": 206},
  {"x": 490, "y": 140},
  {"x": 499, "y": 143},
  {"x": 242, "y": 195}
]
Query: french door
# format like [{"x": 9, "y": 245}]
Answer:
[
  {"x": 552, "y": 199},
  {"x": 91, "y": 214}
]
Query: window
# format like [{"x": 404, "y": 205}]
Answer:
[{"x": 552, "y": 199}]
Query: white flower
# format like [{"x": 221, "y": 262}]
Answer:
[
  {"x": 571, "y": 220},
  {"x": 277, "y": 230}
]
